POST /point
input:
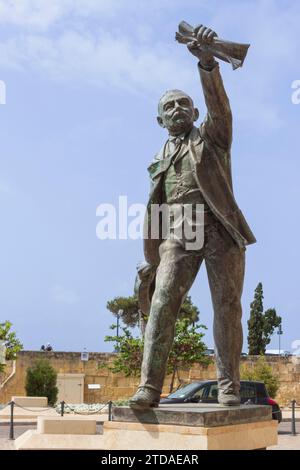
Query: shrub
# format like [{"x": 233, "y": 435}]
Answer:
[
  {"x": 262, "y": 372},
  {"x": 41, "y": 381}
]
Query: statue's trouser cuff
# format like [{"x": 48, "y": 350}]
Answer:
[{"x": 150, "y": 387}]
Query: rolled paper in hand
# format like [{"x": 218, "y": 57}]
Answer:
[{"x": 232, "y": 52}]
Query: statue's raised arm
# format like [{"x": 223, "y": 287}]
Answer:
[{"x": 217, "y": 126}]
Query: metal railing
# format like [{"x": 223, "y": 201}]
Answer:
[
  {"x": 12, "y": 405},
  {"x": 293, "y": 430},
  {"x": 109, "y": 404},
  {"x": 63, "y": 404}
]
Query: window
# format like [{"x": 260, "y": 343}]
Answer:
[
  {"x": 208, "y": 392},
  {"x": 185, "y": 391},
  {"x": 248, "y": 390},
  {"x": 200, "y": 393}
]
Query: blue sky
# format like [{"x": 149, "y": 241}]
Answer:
[{"x": 83, "y": 79}]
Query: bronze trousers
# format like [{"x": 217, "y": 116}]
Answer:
[{"x": 225, "y": 265}]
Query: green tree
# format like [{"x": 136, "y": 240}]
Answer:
[
  {"x": 188, "y": 349},
  {"x": 125, "y": 307},
  {"x": 12, "y": 344},
  {"x": 41, "y": 381},
  {"x": 262, "y": 372},
  {"x": 128, "y": 360},
  {"x": 261, "y": 325},
  {"x": 189, "y": 311}
]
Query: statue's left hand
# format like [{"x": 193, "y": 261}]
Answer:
[{"x": 204, "y": 36}]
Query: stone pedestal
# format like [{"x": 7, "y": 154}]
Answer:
[
  {"x": 61, "y": 433},
  {"x": 39, "y": 402},
  {"x": 192, "y": 426},
  {"x": 194, "y": 414},
  {"x": 65, "y": 425},
  {"x": 137, "y": 436},
  {"x": 179, "y": 427}
]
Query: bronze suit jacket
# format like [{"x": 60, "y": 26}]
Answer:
[{"x": 209, "y": 150}]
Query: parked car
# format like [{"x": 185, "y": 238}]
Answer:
[
  {"x": 277, "y": 352},
  {"x": 207, "y": 392},
  {"x": 209, "y": 352}
]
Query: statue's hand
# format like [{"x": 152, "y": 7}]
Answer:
[{"x": 205, "y": 37}]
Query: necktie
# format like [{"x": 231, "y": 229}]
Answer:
[
  {"x": 176, "y": 140},
  {"x": 174, "y": 146}
]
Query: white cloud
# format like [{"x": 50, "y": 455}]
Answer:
[
  {"x": 139, "y": 60},
  {"x": 107, "y": 60},
  {"x": 41, "y": 14},
  {"x": 272, "y": 30},
  {"x": 62, "y": 295}
]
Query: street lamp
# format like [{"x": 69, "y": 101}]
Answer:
[
  {"x": 119, "y": 314},
  {"x": 279, "y": 332}
]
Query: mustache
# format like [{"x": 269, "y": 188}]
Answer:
[{"x": 179, "y": 113}]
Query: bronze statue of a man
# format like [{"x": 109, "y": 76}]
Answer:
[{"x": 194, "y": 168}]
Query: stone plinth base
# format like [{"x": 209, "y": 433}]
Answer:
[
  {"x": 138, "y": 436},
  {"x": 65, "y": 425},
  {"x": 211, "y": 427},
  {"x": 247, "y": 436},
  {"x": 38, "y": 402},
  {"x": 32, "y": 440},
  {"x": 177, "y": 427},
  {"x": 191, "y": 426}
]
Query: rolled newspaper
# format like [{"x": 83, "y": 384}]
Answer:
[{"x": 232, "y": 52}]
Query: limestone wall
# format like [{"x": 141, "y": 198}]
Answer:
[{"x": 116, "y": 386}]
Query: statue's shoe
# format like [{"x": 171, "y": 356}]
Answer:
[
  {"x": 229, "y": 399},
  {"x": 144, "y": 399}
]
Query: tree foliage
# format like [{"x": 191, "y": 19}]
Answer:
[
  {"x": 261, "y": 325},
  {"x": 189, "y": 311},
  {"x": 188, "y": 348},
  {"x": 12, "y": 343},
  {"x": 262, "y": 372},
  {"x": 128, "y": 310},
  {"x": 129, "y": 353},
  {"x": 41, "y": 381}
]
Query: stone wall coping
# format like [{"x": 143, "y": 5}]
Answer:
[{"x": 101, "y": 355}]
